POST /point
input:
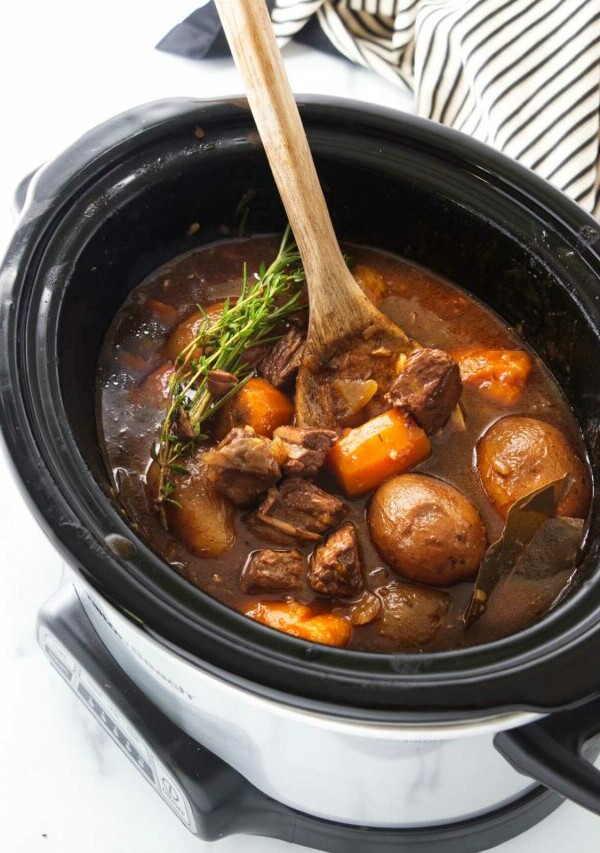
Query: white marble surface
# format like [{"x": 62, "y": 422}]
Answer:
[{"x": 64, "y": 786}]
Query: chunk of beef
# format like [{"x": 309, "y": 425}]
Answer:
[
  {"x": 411, "y": 615},
  {"x": 282, "y": 361},
  {"x": 306, "y": 449},
  {"x": 335, "y": 564},
  {"x": 296, "y": 510},
  {"x": 253, "y": 356},
  {"x": 428, "y": 388},
  {"x": 368, "y": 359},
  {"x": 243, "y": 466},
  {"x": 274, "y": 570}
]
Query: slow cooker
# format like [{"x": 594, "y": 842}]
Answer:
[{"x": 250, "y": 729}]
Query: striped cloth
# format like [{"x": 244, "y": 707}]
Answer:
[{"x": 520, "y": 75}]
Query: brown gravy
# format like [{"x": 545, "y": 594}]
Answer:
[{"x": 429, "y": 309}]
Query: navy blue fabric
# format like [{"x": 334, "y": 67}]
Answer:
[{"x": 200, "y": 36}]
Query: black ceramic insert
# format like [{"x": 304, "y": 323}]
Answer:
[{"x": 119, "y": 202}]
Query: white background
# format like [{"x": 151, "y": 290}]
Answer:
[{"x": 64, "y": 786}]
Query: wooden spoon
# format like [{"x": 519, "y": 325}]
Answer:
[{"x": 342, "y": 319}]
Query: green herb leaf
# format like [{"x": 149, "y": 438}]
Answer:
[
  {"x": 178, "y": 469},
  {"x": 222, "y": 340}
]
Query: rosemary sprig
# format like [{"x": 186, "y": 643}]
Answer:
[{"x": 221, "y": 344}]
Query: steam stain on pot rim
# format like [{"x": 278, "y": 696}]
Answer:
[{"x": 121, "y": 546}]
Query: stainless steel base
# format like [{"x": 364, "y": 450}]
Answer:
[{"x": 209, "y": 796}]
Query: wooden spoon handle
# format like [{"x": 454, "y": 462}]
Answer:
[{"x": 252, "y": 41}]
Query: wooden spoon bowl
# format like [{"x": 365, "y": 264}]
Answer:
[{"x": 344, "y": 327}]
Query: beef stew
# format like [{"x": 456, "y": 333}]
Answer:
[{"x": 368, "y": 535}]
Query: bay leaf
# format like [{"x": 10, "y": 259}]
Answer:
[
  {"x": 553, "y": 549},
  {"x": 524, "y": 519},
  {"x": 539, "y": 581}
]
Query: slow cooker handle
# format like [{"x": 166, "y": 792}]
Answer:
[{"x": 553, "y": 751}]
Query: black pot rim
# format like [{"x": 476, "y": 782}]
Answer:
[{"x": 545, "y": 667}]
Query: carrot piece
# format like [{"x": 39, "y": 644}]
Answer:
[
  {"x": 500, "y": 374},
  {"x": 259, "y": 405},
  {"x": 297, "y": 619},
  {"x": 187, "y": 330},
  {"x": 367, "y": 455}
]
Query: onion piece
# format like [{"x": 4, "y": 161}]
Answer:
[
  {"x": 457, "y": 419},
  {"x": 356, "y": 393},
  {"x": 401, "y": 362}
]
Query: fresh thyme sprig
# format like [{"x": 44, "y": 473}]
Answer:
[{"x": 221, "y": 344}]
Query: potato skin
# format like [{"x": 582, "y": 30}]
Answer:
[
  {"x": 517, "y": 455},
  {"x": 205, "y": 518},
  {"x": 153, "y": 393},
  {"x": 411, "y": 615},
  {"x": 426, "y": 530}
]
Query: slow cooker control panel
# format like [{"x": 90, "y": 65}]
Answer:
[{"x": 122, "y": 732}]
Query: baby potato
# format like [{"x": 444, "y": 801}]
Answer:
[
  {"x": 426, "y": 530},
  {"x": 299, "y": 620},
  {"x": 518, "y": 455},
  {"x": 411, "y": 615},
  {"x": 204, "y": 519},
  {"x": 188, "y": 329},
  {"x": 154, "y": 390}
]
